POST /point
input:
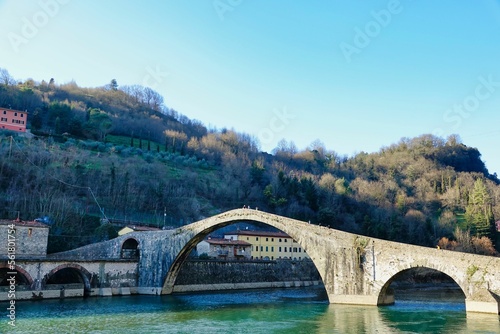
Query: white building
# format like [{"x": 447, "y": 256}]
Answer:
[{"x": 225, "y": 249}]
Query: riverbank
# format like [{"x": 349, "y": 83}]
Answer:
[{"x": 244, "y": 286}]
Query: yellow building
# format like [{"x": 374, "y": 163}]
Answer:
[{"x": 269, "y": 245}]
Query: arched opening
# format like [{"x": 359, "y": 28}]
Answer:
[
  {"x": 67, "y": 277},
  {"x": 21, "y": 279},
  {"x": 421, "y": 285},
  {"x": 130, "y": 249},
  {"x": 259, "y": 248}
]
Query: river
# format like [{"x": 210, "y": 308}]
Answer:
[{"x": 297, "y": 310}]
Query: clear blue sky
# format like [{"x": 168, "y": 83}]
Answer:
[{"x": 357, "y": 75}]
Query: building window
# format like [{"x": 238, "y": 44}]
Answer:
[
  {"x": 280, "y": 239},
  {"x": 279, "y": 249},
  {"x": 256, "y": 248},
  {"x": 261, "y": 248},
  {"x": 295, "y": 249},
  {"x": 267, "y": 239},
  {"x": 22, "y": 115},
  {"x": 272, "y": 239},
  {"x": 285, "y": 249},
  {"x": 256, "y": 238},
  {"x": 15, "y": 114},
  {"x": 247, "y": 238},
  {"x": 272, "y": 248},
  {"x": 5, "y": 112},
  {"x": 267, "y": 249},
  {"x": 300, "y": 250},
  {"x": 30, "y": 232},
  {"x": 286, "y": 240}
]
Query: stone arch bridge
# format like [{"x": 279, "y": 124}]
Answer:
[{"x": 355, "y": 269}]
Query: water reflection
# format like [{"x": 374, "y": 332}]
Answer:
[
  {"x": 258, "y": 311},
  {"x": 482, "y": 323},
  {"x": 352, "y": 319}
]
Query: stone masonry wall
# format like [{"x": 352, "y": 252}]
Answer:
[
  {"x": 217, "y": 272},
  {"x": 34, "y": 244}
]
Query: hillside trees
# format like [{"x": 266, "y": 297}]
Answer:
[
  {"x": 478, "y": 212},
  {"x": 419, "y": 190},
  {"x": 98, "y": 124}
]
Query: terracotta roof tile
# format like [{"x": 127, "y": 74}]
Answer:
[{"x": 228, "y": 242}]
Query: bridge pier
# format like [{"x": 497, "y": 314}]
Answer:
[{"x": 484, "y": 301}]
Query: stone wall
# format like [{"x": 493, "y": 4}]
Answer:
[
  {"x": 29, "y": 240},
  {"x": 218, "y": 272}
]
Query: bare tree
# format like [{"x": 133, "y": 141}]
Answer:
[{"x": 5, "y": 78}]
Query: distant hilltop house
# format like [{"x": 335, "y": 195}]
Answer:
[
  {"x": 257, "y": 245},
  {"x": 14, "y": 120},
  {"x": 136, "y": 228},
  {"x": 31, "y": 237},
  {"x": 225, "y": 249}
]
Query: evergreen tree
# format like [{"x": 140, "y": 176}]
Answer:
[{"x": 478, "y": 213}]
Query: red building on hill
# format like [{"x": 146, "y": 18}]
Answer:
[{"x": 14, "y": 120}]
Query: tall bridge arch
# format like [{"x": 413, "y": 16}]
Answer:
[{"x": 202, "y": 228}]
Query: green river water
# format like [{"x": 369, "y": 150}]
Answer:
[{"x": 298, "y": 310}]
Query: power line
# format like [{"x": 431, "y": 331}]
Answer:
[{"x": 59, "y": 180}]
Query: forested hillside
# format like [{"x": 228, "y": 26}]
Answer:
[{"x": 118, "y": 154}]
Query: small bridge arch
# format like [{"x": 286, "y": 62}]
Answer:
[
  {"x": 22, "y": 276},
  {"x": 83, "y": 274},
  {"x": 383, "y": 294},
  {"x": 130, "y": 248}
]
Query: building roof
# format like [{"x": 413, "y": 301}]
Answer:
[
  {"x": 227, "y": 242},
  {"x": 259, "y": 233},
  {"x": 18, "y": 222}
]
